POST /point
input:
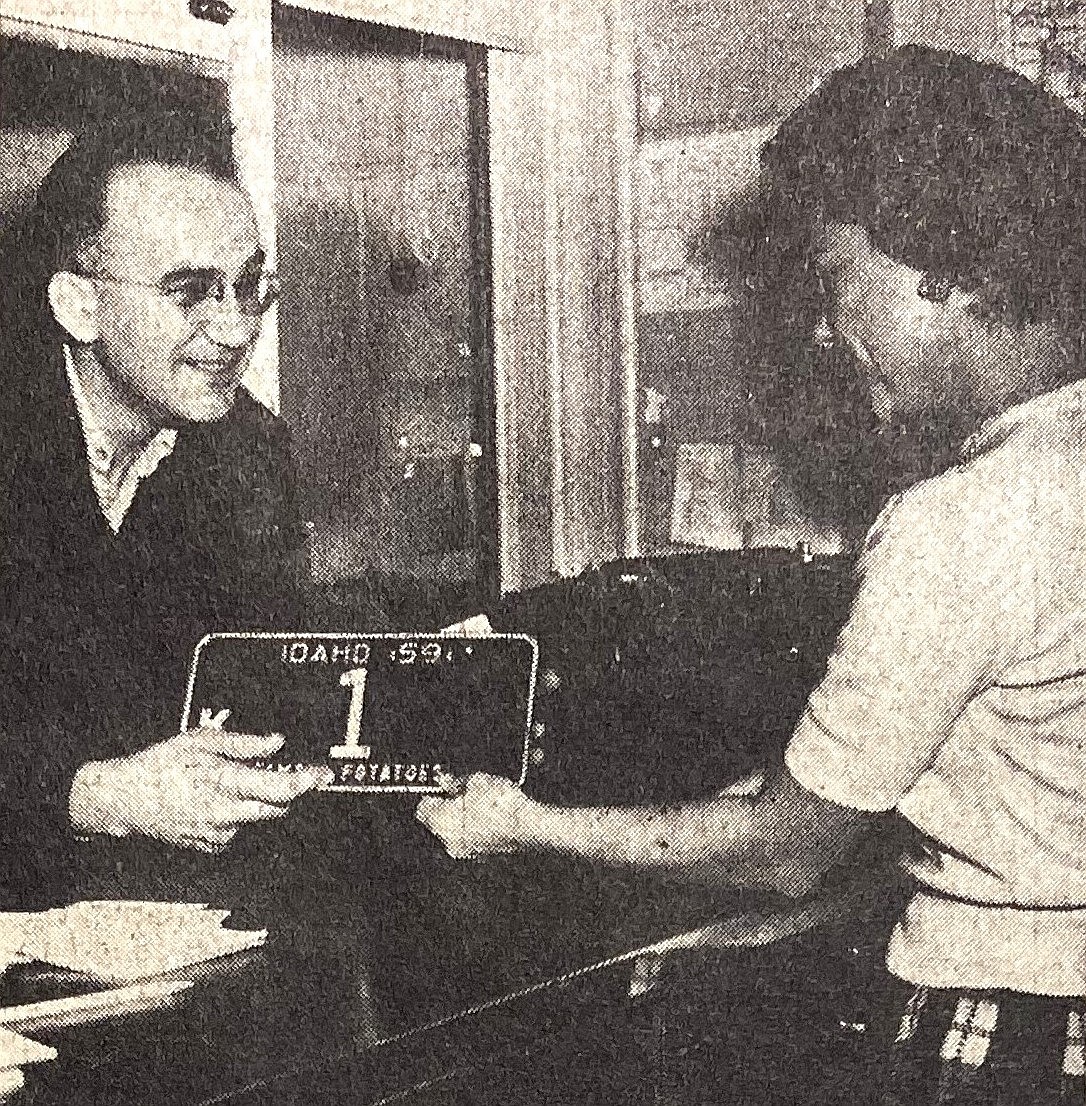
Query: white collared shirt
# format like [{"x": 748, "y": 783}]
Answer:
[
  {"x": 956, "y": 694},
  {"x": 121, "y": 451}
]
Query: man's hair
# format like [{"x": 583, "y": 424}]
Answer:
[
  {"x": 69, "y": 210},
  {"x": 962, "y": 169}
]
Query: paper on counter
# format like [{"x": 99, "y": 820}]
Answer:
[
  {"x": 16, "y": 1051},
  {"x": 11, "y": 1082},
  {"x": 12, "y": 939},
  {"x": 123, "y": 941},
  {"x": 95, "y": 1006}
]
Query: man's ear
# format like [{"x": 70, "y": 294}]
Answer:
[{"x": 74, "y": 301}]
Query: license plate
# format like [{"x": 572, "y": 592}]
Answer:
[{"x": 386, "y": 712}]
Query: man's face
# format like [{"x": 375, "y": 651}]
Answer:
[
  {"x": 180, "y": 362},
  {"x": 908, "y": 346}
]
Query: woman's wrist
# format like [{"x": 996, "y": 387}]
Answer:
[{"x": 528, "y": 828}]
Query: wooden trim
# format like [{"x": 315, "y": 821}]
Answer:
[
  {"x": 628, "y": 307},
  {"x": 500, "y": 24},
  {"x": 523, "y": 426},
  {"x": 557, "y": 372},
  {"x": 252, "y": 114},
  {"x": 502, "y": 272},
  {"x": 482, "y": 323},
  {"x": 878, "y": 28},
  {"x": 61, "y": 36}
]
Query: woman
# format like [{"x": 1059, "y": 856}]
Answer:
[{"x": 944, "y": 204}]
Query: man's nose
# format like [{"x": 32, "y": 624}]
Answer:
[{"x": 226, "y": 324}]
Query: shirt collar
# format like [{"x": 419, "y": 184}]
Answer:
[
  {"x": 113, "y": 431},
  {"x": 998, "y": 428}
]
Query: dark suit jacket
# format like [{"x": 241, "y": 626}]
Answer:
[{"x": 98, "y": 629}]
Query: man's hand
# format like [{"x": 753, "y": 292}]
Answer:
[
  {"x": 193, "y": 790},
  {"x": 480, "y": 817}
]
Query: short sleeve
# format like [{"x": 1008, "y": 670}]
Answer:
[{"x": 944, "y": 603}]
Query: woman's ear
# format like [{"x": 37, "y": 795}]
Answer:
[{"x": 74, "y": 301}]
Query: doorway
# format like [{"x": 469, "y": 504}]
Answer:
[{"x": 386, "y": 365}]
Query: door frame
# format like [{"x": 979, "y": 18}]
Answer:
[{"x": 565, "y": 358}]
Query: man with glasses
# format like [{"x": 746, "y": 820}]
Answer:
[{"x": 148, "y": 501}]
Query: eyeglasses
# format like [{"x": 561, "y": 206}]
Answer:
[{"x": 193, "y": 291}]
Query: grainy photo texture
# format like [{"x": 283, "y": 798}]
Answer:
[{"x": 543, "y": 552}]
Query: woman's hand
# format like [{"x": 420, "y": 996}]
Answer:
[{"x": 480, "y": 816}]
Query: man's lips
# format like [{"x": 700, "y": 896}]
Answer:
[{"x": 221, "y": 371}]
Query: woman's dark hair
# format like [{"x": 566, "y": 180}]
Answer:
[{"x": 963, "y": 170}]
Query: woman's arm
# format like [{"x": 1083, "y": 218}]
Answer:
[{"x": 783, "y": 839}]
